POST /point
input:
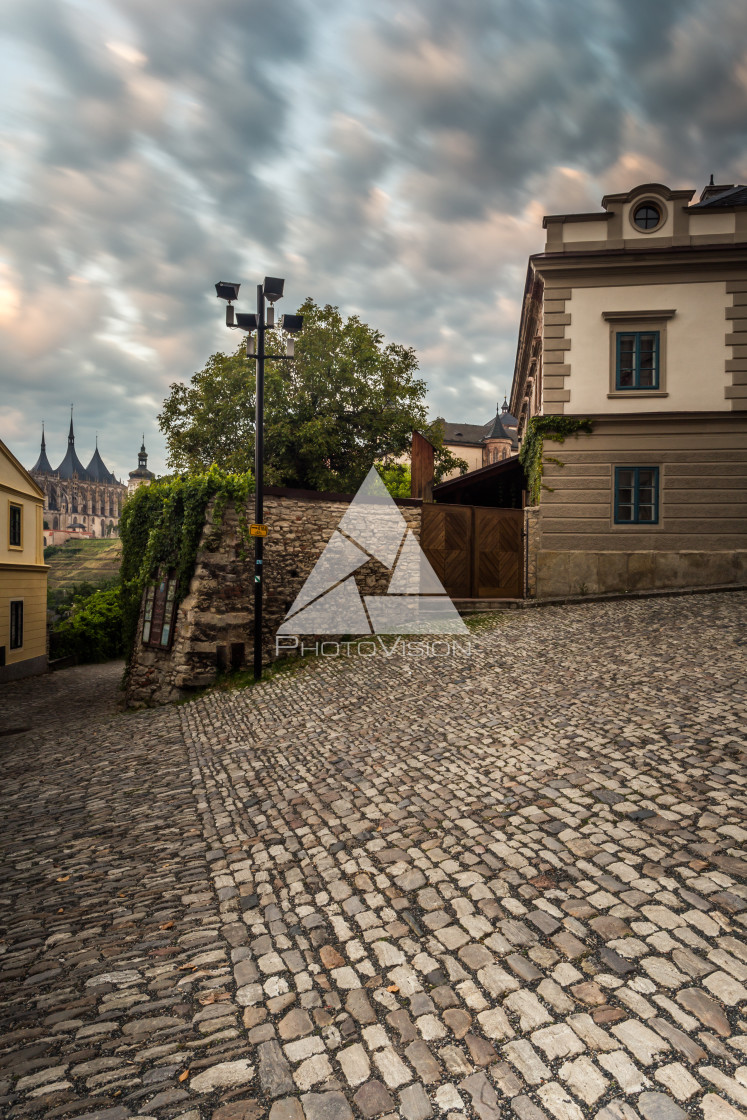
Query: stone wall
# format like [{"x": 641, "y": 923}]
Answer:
[
  {"x": 591, "y": 573},
  {"x": 531, "y": 549},
  {"x": 215, "y": 622}
]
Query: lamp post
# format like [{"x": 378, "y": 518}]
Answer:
[{"x": 267, "y": 293}]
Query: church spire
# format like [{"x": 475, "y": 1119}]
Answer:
[
  {"x": 42, "y": 464},
  {"x": 71, "y": 433}
]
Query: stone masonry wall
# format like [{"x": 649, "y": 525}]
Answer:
[
  {"x": 215, "y": 622},
  {"x": 591, "y": 573}
]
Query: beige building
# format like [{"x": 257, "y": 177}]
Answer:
[
  {"x": 482, "y": 444},
  {"x": 23, "y": 573},
  {"x": 636, "y": 317}
]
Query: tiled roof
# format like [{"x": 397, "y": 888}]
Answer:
[
  {"x": 42, "y": 464},
  {"x": 465, "y": 433},
  {"x": 98, "y": 470},
  {"x": 734, "y": 196}
]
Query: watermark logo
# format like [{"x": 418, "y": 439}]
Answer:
[{"x": 414, "y": 602}]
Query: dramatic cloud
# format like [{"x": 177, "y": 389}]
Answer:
[{"x": 394, "y": 159}]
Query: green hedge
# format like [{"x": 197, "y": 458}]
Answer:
[
  {"x": 161, "y": 526},
  {"x": 93, "y": 631}
]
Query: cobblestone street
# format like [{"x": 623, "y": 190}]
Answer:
[{"x": 507, "y": 885}]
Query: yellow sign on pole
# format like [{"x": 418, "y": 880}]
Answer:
[{"x": 257, "y": 530}]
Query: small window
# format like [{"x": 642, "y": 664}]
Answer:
[
  {"x": 16, "y": 624},
  {"x": 637, "y": 364},
  {"x": 647, "y": 216},
  {"x": 159, "y": 612},
  {"x": 15, "y": 526},
  {"x": 636, "y": 495}
]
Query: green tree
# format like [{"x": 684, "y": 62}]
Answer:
[
  {"x": 347, "y": 400},
  {"x": 396, "y": 478},
  {"x": 93, "y": 629}
]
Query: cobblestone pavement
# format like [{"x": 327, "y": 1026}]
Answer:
[{"x": 510, "y": 885}]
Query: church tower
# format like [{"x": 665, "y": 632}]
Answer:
[{"x": 141, "y": 476}]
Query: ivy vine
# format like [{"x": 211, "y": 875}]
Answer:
[
  {"x": 161, "y": 526},
  {"x": 540, "y": 428}
]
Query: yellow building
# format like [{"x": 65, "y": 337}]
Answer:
[{"x": 23, "y": 573}]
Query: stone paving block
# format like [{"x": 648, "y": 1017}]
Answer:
[
  {"x": 379, "y": 902},
  {"x": 706, "y": 1009},
  {"x": 373, "y": 1099},
  {"x": 726, "y": 1085},
  {"x": 223, "y": 1075},
  {"x": 483, "y": 1096},
  {"x": 528, "y": 1008},
  {"x": 355, "y": 1064},
  {"x": 658, "y": 1106},
  {"x": 624, "y": 1071},
  {"x": 617, "y": 1110},
  {"x": 643, "y": 1043},
  {"x": 414, "y": 1103},
  {"x": 584, "y": 1079},
  {"x": 326, "y": 1106},
  {"x": 558, "y": 1102},
  {"x": 716, "y": 1108},
  {"x": 558, "y": 1041},
  {"x": 288, "y": 1109},
  {"x": 525, "y": 1108},
  {"x": 526, "y": 1060}
]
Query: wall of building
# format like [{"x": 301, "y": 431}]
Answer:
[
  {"x": 23, "y": 574},
  {"x": 471, "y": 455},
  {"x": 701, "y": 536},
  {"x": 216, "y": 618},
  {"x": 30, "y": 585},
  {"x": 696, "y": 351}
]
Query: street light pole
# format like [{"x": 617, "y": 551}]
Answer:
[
  {"x": 290, "y": 325},
  {"x": 259, "y": 455}
]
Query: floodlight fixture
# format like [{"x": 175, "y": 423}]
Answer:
[
  {"x": 256, "y": 327},
  {"x": 291, "y": 324},
  {"x": 273, "y": 288},
  {"x": 226, "y": 290}
]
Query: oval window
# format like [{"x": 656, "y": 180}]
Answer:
[{"x": 647, "y": 216}]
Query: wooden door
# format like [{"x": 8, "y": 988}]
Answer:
[
  {"x": 497, "y": 569},
  {"x": 446, "y": 540}
]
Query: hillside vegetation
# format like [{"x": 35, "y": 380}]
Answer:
[{"x": 94, "y": 562}]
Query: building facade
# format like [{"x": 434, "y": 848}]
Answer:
[
  {"x": 23, "y": 573},
  {"x": 636, "y": 318},
  {"x": 77, "y": 498},
  {"x": 482, "y": 444}
]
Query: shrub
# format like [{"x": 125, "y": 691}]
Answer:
[{"x": 93, "y": 631}]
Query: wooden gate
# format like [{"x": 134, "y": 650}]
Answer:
[{"x": 476, "y": 551}]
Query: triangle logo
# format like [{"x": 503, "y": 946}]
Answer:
[{"x": 415, "y": 601}]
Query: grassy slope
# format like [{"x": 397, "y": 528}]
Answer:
[{"x": 92, "y": 561}]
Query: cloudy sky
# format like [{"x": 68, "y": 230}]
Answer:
[{"x": 393, "y": 158}]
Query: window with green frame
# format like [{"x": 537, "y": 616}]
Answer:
[
  {"x": 637, "y": 360},
  {"x": 636, "y": 495}
]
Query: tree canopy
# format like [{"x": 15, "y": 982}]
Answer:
[{"x": 348, "y": 399}]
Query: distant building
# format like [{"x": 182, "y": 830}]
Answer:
[
  {"x": 82, "y": 499},
  {"x": 23, "y": 573},
  {"x": 482, "y": 444},
  {"x": 141, "y": 476}
]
